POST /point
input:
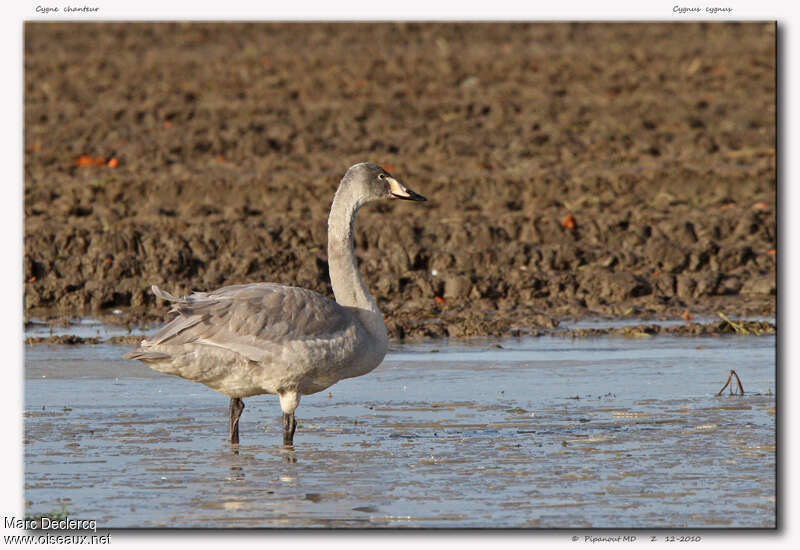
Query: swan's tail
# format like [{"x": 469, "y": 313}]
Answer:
[
  {"x": 164, "y": 295},
  {"x": 148, "y": 356}
]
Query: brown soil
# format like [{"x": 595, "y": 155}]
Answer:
[{"x": 572, "y": 170}]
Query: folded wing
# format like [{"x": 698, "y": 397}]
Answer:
[{"x": 253, "y": 320}]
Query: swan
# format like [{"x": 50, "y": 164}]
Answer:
[{"x": 258, "y": 338}]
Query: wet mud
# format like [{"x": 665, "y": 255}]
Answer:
[{"x": 573, "y": 170}]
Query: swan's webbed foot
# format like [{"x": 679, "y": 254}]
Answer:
[
  {"x": 237, "y": 406},
  {"x": 289, "y": 425}
]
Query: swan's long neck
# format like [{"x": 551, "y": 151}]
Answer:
[{"x": 348, "y": 288}]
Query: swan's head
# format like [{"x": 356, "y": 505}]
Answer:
[{"x": 374, "y": 183}]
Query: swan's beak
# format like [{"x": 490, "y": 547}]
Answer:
[{"x": 399, "y": 191}]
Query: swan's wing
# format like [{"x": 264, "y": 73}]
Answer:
[{"x": 253, "y": 320}]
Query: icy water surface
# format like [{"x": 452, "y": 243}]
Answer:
[{"x": 548, "y": 432}]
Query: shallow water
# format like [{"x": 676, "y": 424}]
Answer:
[
  {"x": 84, "y": 328},
  {"x": 548, "y": 432}
]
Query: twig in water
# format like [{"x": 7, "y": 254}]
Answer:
[{"x": 731, "y": 376}]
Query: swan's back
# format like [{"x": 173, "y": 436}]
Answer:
[{"x": 240, "y": 315}]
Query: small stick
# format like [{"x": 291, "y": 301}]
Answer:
[
  {"x": 726, "y": 384},
  {"x": 741, "y": 389},
  {"x": 738, "y": 381}
]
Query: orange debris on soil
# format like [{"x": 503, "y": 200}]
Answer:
[{"x": 85, "y": 160}]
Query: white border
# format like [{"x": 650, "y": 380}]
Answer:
[{"x": 11, "y": 234}]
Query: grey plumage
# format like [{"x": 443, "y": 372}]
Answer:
[{"x": 249, "y": 318}]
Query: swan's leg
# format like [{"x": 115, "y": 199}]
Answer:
[
  {"x": 289, "y": 401},
  {"x": 289, "y": 425},
  {"x": 237, "y": 406}
]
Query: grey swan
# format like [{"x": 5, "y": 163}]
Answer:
[{"x": 268, "y": 338}]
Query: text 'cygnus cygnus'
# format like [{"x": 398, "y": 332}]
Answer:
[{"x": 245, "y": 340}]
